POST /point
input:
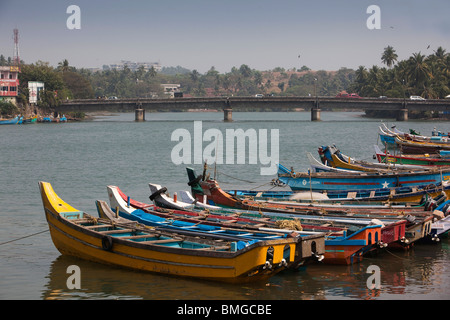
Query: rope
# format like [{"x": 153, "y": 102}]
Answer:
[
  {"x": 235, "y": 178},
  {"x": 23, "y": 237},
  {"x": 395, "y": 255}
]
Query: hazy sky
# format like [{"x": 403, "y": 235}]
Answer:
[{"x": 198, "y": 34}]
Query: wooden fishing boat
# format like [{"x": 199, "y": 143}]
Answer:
[
  {"x": 177, "y": 222},
  {"x": 216, "y": 196},
  {"x": 137, "y": 247},
  {"x": 419, "y": 225},
  {"x": 10, "y": 121},
  {"x": 310, "y": 245},
  {"x": 345, "y": 244},
  {"x": 332, "y": 181},
  {"x": 413, "y": 135},
  {"x": 29, "y": 120},
  {"x": 116, "y": 196},
  {"x": 414, "y": 144},
  {"x": 417, "y": 147},
  {"x": 332, "y": 157},
  {"x": 424, "y": 160},
  {"x": 387, "y": 136},
  {"x": 217, "y": 217}
]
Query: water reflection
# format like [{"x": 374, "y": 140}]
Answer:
[
  {"x": 419, "y": 273},
  {"x": 107, "y": 282}
]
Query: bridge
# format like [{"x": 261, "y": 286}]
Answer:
[{"x": 229, "y": 104}]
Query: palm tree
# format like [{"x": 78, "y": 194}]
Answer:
[
  {"x": 194, "y": 75},
  {"x": 389, "y": 56},
  {"x": 440, "y": 53},
  {"x": 152, "y": 72},
  {"x": 419, "y": 69},
  {"x": 63, "y": 65}
]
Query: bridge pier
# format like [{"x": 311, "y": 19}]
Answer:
[
  {"x": 227, "y": 114},
  {"x": 139, "y": 115},
  {"x": 402, "y": 115},
  {"x": 315, "y": 114}
]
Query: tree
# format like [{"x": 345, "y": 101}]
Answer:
[
  {"x": 63, "y": 66},
  {"x": 152, "y": 72},
  {"x": 245, "y": 71},
  {"x": 419, "y": 70},
  {"x": 194, "y": 75},
  {"x": 389, "y": 56},
  {"x": 79, "y": 86}
]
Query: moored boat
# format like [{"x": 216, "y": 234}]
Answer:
[
  {"x": 332, "y": 181},
  {"x": 310, "y": 245},
  {"x": 15, "y": 120},
  {"x": 217, "y": 197},
  {"x": 343, "y": 245},
  {"x": 29, "y": 120},
  {"x": 137, "y": 247},
  {"x": 413, "y": 159},
  {"x": 417, "y": 147},
  {"x": 332, "y": 157},
  {"x": 419, "y": 221}
]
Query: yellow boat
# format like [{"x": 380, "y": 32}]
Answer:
[{"x": 140, "y": 247}]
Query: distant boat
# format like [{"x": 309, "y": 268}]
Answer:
[
  {"x": 29, "y": 120},
  {"x": 10, "y": 121}
]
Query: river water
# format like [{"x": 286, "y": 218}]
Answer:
[{"x": 81, "y": 158}]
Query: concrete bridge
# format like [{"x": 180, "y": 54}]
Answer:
[{"x": 229, "y": 104}]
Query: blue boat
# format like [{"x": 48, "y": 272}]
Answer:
[
  {"x": 10, "y": 121},
  {"x": 334, "y": 181},
  {"x": 346, "y": 248},
  {"x": 126, "y": 211}
]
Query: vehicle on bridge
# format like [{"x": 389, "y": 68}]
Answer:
[
  {"x": 344, "y": 94},
  {"x": 416, "y": 98}
]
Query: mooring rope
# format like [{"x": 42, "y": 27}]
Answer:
[
  {"x": 235, "y": 178},
  {"x": 34, "y": 234}
]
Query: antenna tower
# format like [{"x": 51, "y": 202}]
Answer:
[{"x": 16, "y": 57}]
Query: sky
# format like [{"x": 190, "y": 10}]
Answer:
[{"x": 200, "y": 34}]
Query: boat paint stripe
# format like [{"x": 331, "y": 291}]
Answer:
[
  {"x": 415, "y": 181},
  {"x": 352, "y": 183},
  {"x": 141, "y": 258}
]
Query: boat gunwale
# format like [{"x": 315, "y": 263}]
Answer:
[{"x": 173, "y": 250}]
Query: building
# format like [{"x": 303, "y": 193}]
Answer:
[
  {"x": 133, "y": 66},
  {"x": 35, "y": 87},
  {"x": 170, "y": 89},
  {"x": 9, "y": 83}
]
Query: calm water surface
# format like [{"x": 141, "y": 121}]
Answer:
[{"x": 80, "y": 159}]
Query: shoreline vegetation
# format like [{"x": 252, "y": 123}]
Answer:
[{"x": 423, "y": 75}]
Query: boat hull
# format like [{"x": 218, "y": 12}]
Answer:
[
  {"x": 78, "y": 240},
  {"x": 411, "y": 160},
  {"x": 323, "y": 181},
  {"x": 10, "y": 121}
]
